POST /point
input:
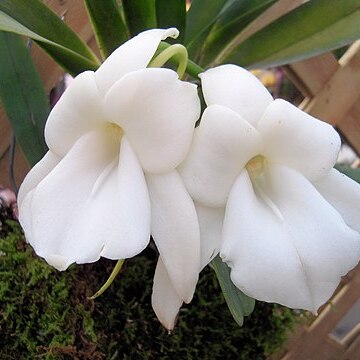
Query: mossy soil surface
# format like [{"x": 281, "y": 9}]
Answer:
[{"x": 46, "y": 314}]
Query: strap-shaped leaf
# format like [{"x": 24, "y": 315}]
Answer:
[
  {"x": 229, "y": 25},
  {"x": 33, "y": 19},
  {"x": 23, "y": 96},
  {"x": 201, "y": 15},
  {"x": 313, "y": 28},
  {"x": 239, "y": 304},
  {"x": 37, "y": 17},
  {"x": 140, "y": 15},
  {"x": 199, "y": 20},
  {"x": 109, "y": 27},
  {"x": 172, "y": 13}
]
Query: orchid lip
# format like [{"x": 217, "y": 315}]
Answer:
[
  {"x": 255, "y": 166},
  {"x": 115, "y": 130}
]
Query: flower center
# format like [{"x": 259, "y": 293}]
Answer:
[
  {"x": 255, "y": 166},
  {"x": 115, "y": 131}
]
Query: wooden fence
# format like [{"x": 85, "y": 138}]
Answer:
[
  {"x": 332, "y": 91},
  {"x": 320, "y": 340}
]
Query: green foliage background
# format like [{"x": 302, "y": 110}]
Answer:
[{"x": 45, "y": 314}]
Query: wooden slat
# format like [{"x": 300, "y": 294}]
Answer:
[
  {"x": 352, "y": 336},
  {"x": 341, "y": 92},
  {"x": 315, "y": 342},
  {"x": 350, "y": 127},
  {"x": 353, "y": 352},
  {"x": 311, "y": 77}
]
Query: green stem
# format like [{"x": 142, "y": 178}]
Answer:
[
  {"x": 192, "y": 68},
  {"x": 110, "y": 280},
  {"x": 176, "y": 51}
]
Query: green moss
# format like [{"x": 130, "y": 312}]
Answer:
[{"x": 46, "y": 313}]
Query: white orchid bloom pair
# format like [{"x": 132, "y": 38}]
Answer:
[
  {"x": 115, "y": 139},
  {"x": 259, "y": 171}
]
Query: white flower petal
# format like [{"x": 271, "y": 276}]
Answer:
[
  {"x": 25, "y": 215},
  {"x": 60, "y": 199},
  {"x": 158, "y": 113},
  {"x": 78, "y": 111},
  {"x": 264, "y": 264},
  {"x": 211, "y": 222},
  {"x": 164, "y": 299},
  {"x": 293, "y": 248},
  {"x": 298, "y": 140},
  {"x": 222, "y": 145},
  {"x": 26, "y": 191},
  {"x": 35, "y": 175},
  {"x": 343, "y": 194},
  {"x": 125, "y": 208},
  {"x": 175, "y": 229},
  {"x": 89, "y": 206},
  {"x": 133, "y": 55},
  {"x": 237, "y": 89}
]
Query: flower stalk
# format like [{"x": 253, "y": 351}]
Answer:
[
  {"x": 191, "y": 67},
  {"x": 110, "y": 280},
  {"x": 173, "y": 51}
]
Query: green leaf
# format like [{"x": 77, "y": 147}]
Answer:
[
  {"x": 350, "y": 172},
  {"x": 109, "y": 27},
  {"x": 37, "y": 17},
  {"x": 140, "y": 15},
  {"x": 239, "y": 304},
  {"x": 229, "y": 25},
  {"x": 313, "y": 28},
  {"x": 172, "y": 13},
  {"x": 23, "y": 96},
  {"x": 199, "y": 20},
  {"x": 35, "y": 20}
]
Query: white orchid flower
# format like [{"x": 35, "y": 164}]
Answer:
[
  {"x": 261, "y": 174},
  {"x": 109, "y": 179}
]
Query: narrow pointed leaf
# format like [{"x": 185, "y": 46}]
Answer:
[
  {"x": 33, "y": 19},
  {"x": 229, "y": 25},
  {"x": 171, "y": 13},
  {"x": 199, "y": 20},
  {"x": 140, "y": 15},
  {"x": 109, "y": 27},
  {"x": 23, "y": 96},
  {"x": 313, "y": 28},
  {"x": 37, "y": 17},
  {"x": 239, "y": 304}
]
